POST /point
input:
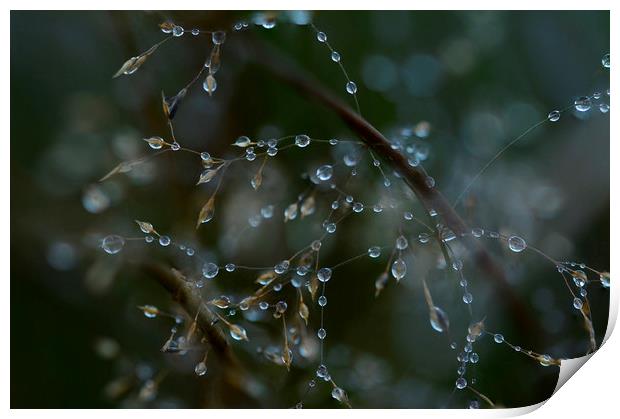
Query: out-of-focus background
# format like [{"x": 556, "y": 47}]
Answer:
[{"x": 479, "y": 78}]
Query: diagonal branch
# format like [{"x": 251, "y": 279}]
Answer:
[
  {"x": 234, "y": 377},
  {"x": 415, "y": 177}
]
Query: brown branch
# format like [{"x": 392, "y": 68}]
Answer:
[
  {"x": 234, "y": 377},
  {"x": 415, "y": 177}
]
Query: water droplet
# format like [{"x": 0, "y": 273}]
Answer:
[
  {"x": 516, "y": 244},
  {"x": 200, "y": 369},
  {"x": 339, "y": 394},
  {"x": 474, "y": 358},
  {"x": 302, "y": 140},
  {"x": 330, "y": 227},
  {"x": 210, "y": 84},
  {"x": 545, "y": 361},
  {"x": 113, "y": 244},
  {"x": 218, "y": 37},
  {"x": 230, "y": 267},
  {"x": 579, "y": 278},
  {"x": 605, "y": 61},
  {"x": 237, "y": 332},
  {"x": 351, "y": 159},
  {"x": 222, "y": 302},
  {"x": 605, "y": 280},
  {"x": 269, "y": 23},
  {"x": 333, "y": 141},
  {"x": 439, "y": 321},
  {"x": 583, "y": 104},
  {"x": 477, "y": 232},
  {"x": 325, "y": 172},
  {"x": 498, "y": 338},
  {"x": 316, "y": 245},
  {"x": 461, "y": 383},
  {"x": 267, "y": 211},
  {"x": 401, "y": 243},
  {"x": 351, "y": 87},
  {"x": 335, "y": 57},
  {"x": 603, "y": 107},
  {"x": 358, "y": 207},
  {"x": 244, "y": 305},
  {"x": 178, "y": 31},
  {"x": 577, "y": 303},
  {"x": 175, "y": 146},
  {"x": 322, "y": 333},
  {"x": 155, "y": 143},
  {"x": 242, "y": 141},
  {"x": 447, "y": 235},
  {"x": 164, "y": 241},
  {"x": 322, "y": 301},
  {"x": 149, "y": 311},
  {"x": 374, "y": 251},
  {"x": 554, "y": 116},
  {"x": 272, "y": 151},
  {"x": 430, "y": 182},
  {"x": 210, "y": 270},
  {"x": 281, "y": 267},
  {"x": 321, "y": 37},
  {"x": 468, "y": 298},
  {"x": 321, "y": 371},
  {"x": 423, "y": 238},
  {"x": 474, "y": 404},
  {"x": 399, "y": 269},
  {"x": 281, "y": 307},
  {"x": 195, "y": 31},
  {"x": 324, "y": 274}
]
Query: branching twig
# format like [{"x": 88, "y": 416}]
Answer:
[
  {"x": 415, "y": 177},
  {"x": 233, "y": 375}
]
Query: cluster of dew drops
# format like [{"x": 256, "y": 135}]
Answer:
[
  {"x": 585, "y": 103},
  {"x": 217, "y": 38},
  {"x": 113, "y": 244}
]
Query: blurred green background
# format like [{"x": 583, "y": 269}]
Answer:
[{"x": 479, "y": 78}]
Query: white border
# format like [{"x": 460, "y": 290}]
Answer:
[{"x": 591, "y": 393}]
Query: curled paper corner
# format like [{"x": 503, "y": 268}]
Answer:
[
  {"x": 568, "y": 367},
  {"x": 517, "y": 411}
]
